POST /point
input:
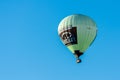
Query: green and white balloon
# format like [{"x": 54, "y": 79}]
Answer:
[{"x": 77, "y": 32}]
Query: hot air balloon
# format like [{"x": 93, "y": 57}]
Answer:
[{"x": 77, "y": 32}]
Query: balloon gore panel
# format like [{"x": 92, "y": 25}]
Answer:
[{"x": 69, "y": 36}]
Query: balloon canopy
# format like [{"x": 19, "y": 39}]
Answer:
[{"x": 77, "y": 32}]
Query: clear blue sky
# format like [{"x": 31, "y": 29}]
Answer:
[{"x": 30, "y": 48}]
